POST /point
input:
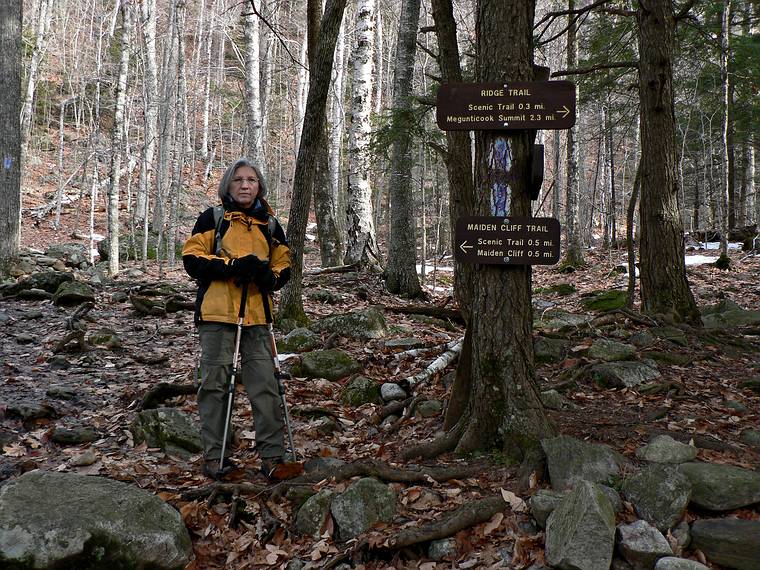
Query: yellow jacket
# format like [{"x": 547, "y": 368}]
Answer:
[{"x": 243, "y": 232}]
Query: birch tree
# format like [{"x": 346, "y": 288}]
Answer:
[
  {"x": 40, "y": 46},
  {"x": 401, "y": 271},
  {"x": 118, "y": 137},
  {"x": 727, "y": 220},
  {"x": 150, "y": 83},
  {"x": 361, "y": 247},
  {"x": 10, "y": 132},
  {"x": 254, "y": 146}
]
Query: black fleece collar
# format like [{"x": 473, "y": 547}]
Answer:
[{"x": 259, "y": 209}]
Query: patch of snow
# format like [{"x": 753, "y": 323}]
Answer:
[
  {"x": 429, "y": 268},
  {"x": 700, "y": 259},
  {"x": 715, "y": 245}
]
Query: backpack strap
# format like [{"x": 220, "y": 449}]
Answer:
[{"x": 218, "y": 219}]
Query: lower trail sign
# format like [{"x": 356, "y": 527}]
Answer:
[{"x": 507, "y": 240}]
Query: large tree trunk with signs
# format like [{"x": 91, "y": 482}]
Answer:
[
  {"x": 664, "y": 287},
  {"x": 291, "y": 305},
  {"x": 504, "y": 409},
  {"x": 10, "y": 131},
  {"x": 401, "y": 271}
]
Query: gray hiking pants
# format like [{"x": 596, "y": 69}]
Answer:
[{"x": 257, "y": 376}]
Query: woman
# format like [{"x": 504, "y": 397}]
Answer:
[{"x": 243, "y": 252}]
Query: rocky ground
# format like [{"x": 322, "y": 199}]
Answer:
[{"x": 75, "y": 374}]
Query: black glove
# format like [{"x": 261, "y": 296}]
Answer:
[
  {"x": 265, "y": 279},
  {"x": 243, "y": 269}
]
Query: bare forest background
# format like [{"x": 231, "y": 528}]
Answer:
[{"x": 145, "y": 103}]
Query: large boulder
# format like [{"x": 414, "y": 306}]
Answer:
[
  {"x": 330, "y": 364},
  {"x": 365, "y": 502},
  {"x": 659, "y": 493},
  {"x": 168, "y": 428},
  {"x": 571, "y": 460},
  {"x": 544, "y": 503},
  {"x": 722, "y": 487},
  {"x": 73, "y": 293},
  {"x": 364, "y": 324},
  {"x": 623, "y": 374},
  {"x": 665, "y": 449},
  {"x": 46, "y": 280},
  {"x": 733, "y": 543},
  {"x": 642, "y": 545},
  {"x": 72, "y": 254},
  {"x": 580, "y": 534},
  {"x": 560, "y": 320},
  {"x": 727, "y": 314},
  {"x": 64, "y": 520}
]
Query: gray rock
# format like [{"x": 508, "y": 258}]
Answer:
[
  {"x": 57, "y": 520},
  {"x": 299, "y": 340},
  {"x": 643, "y": 339},
  {"x": 323, "y": 464},
  {"x": 641, "y": 544},
  {"x": 611, "y": 350},
  {"x": 613, "y": 496},
  {"x": 665, "y": 449},
  {"x": 361, "y": 390},
  {"x": 46, "y": 261},
  {"x": 550, "y": 350},
  {"x": 670, "y": 334},
  {"x": 730, "y": 319},
  {"x": 734, "y": 543},
  {"x": 673, "y": 563},
  {"x": 660, "y": 494},
  {"x": 682, "y": 534},
  {"x": 364, "y": 324},
  {"x": 295, "y": 564},
  {"x": 312, "y": 515},
  {"x": 580, "y": 534},
  {"x": 404, "y": 343},
  {"x": 172, "y": 430},
  {"x": 35, "y": 295},
  {"x": 71, "y": 253},
  {"x": 390, "y": 391},
  {"x": 623, "y": 374},
  {"x": 61, "y": 393},
  {"x": 46, "y": 280},
  {"x": 73, "y": 293},
  {"x": 27, "y": 411},
  {"x": 722, "y": 487},
  {"x": 552, "y": 399},
  {"x": 324, "y": 296},
  {"x": 365, "y": 502},
  {"x": 325, "y": 425},
  {"x": 329, "y": 364},
  {"x": 737, "y": 407},
  {"x": 106, "y": 337},
  {"x": 571, "y": 460},
  {"x": 544, "y": 503},
  {"x": 561, "y": 320},
  {"x": 430, "y": 408},
  {"x": 443, "y": 549},
  {"x": 750, "y": 437},
  {"x": 24, "y": 338},
  {"x": 74, "y": 436}
]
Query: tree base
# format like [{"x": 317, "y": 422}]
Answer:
[{"x": 723, "y": 262}]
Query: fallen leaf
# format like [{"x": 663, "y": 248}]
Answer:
[
  {"x": 493, "y": 524},
  {"x": 515, "y": 502}
]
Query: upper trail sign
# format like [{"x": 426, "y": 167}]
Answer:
[{"x": 506, "y": 106}]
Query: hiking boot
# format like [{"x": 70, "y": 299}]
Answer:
[
  {"x": 269, "y": 467},
  {"x": 211, "y": 468}
]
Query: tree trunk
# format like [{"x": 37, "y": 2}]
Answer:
[
  {"x": 506, "y": 408},
  {"x": 207, "y": 84},
  {"x": 361, "y": 246},
  {"x": 573, "y": 251},
  {"x": 254, "y": 147},
  {"x": 10, "y": 132},
  {"x": 728, "y": 217},
  {"x": 117, "y": 140},
  {"x": 148, "y": 8},
  {"x": 664, "y": 286},
  {"x": 291, "y": 304},
  {"x": 401, "y": 271}
]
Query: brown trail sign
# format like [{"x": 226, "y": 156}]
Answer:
[
  {"x": 507, "y": 241},
  {"x": 506, "y": 106}
]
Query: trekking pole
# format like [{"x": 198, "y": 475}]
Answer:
[
  {"x": 280, "y": 375},
  {"x": 235, "y": 370}
]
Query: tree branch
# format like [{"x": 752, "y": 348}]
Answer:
[
  {"x": 587, "y": 70},
  {"x": 684, "y": 11}
]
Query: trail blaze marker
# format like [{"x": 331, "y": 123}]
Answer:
[
  {"x": 506, "y": 106},
  {"x": 507, "y": 241}
]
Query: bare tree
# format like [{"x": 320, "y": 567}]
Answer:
[
  {"x": 254, "y": 145},
  {"x": 40, "y": 46}
]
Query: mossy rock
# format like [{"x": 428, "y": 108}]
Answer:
[
  {"x": 361, "y": 390},
  {"x": 329, "y": 364},
  {"x": 671, "y": 334},
  {"x": 73, "y": 293},
  {"x": 105, "y": 337},
  {"x": 170, "y": 429},
  {"x": 324, "y": 296},
  {"x": 605, "y": 301},
  {"x": 364, "y": 324},
  {"x": 674, "y": 358},
  {"x": 299, "y": 339},
  {"x": 561, "y": 289}
]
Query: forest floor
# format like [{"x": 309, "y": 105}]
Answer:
[{"x": 107, "y": 387}]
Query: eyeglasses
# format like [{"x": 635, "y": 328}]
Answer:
[{"x": 249, "y": 180}]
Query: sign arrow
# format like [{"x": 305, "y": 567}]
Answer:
[
  {"x": 564, "y": 111},
  {"x": 464, "y": 247}
]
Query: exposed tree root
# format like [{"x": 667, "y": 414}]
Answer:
[
  {"x": 335, "y": 269},
  {"x": 438, "y": 312},
  {"x": 438, "y": 446},
  {"x": 392, "y": 409},
  {"x": 164, "y": 391},
  {"x": 467, "y": 515},
  {"x": 223, "y": 488}
]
